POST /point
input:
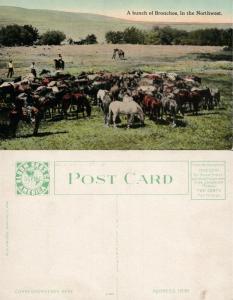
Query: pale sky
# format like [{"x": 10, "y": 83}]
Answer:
[{"x": 119, "y": 8}]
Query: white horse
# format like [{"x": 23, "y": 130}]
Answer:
[
  {"x": 100, "y": 96},
  {"x": 148, "y": 89},
  {"x": 129, "y": 108}
]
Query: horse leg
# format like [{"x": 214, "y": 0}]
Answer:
[
  {"x": 83, "y": 110},
  {"x": 64, "y": 113},
  {"x": 195, "y": 108},
  {"x": 114, "y": 120},
  {"x": 105, "y": 119},
  {"x": 162, "y": 112},
  {"x": 150, "y": 113},
  {"x": 180, "y": 108},
  {"x": 37, "y": 124},
  {"x": 130, "y": 120},
  {"x": 88, "y": 111},
  {"x": 13, "y": 125},
  {"x": 65, "y": 107},
  {"x": 154, "y": 113},
  {"x": 50, "y": 112},
  {"x": 173, "y": 112},
  {"x": 141, "y": 116},
  {"x": 54, "y": 110},
  {"x": 59, "y": 108},
  {"x": 158, "y": 110},
  {"x": 77, "y": 110},
  {"x": 128, "y": 117}
]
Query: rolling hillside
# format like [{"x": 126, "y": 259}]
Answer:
[{"x": 78, "y": 25}]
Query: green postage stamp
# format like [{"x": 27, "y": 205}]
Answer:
[{"x": 32, "y": 178}]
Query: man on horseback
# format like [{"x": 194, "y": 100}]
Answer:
[
  {"x": 61, "y": 62},
  {"x": 121, "y": 54}
]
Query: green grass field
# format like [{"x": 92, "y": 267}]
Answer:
[{"x": 208, "y": 130}]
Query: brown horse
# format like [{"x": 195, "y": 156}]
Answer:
[
  {"x": 192, "y": 98},
  {"x": 114, "y": 91},
  {"x": 7, "y": 92},
  {"x": 82, "y": 104},
  {"x": 75, "y": 101},
  {"x": 12, "y": 115},
  {"x": 151, "y": 106}
]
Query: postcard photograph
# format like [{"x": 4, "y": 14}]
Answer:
[{"x": 113, "y": 75}]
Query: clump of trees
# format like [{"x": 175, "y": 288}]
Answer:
[
  {"x": 171, "y": 36},
  {"x": 27, "y": 35},
  {"x": 16, "y": 35},
  {"x": 115, "y": 37},
  {"x": 130, "y": 35},
  {"x": 88, "y": 40},
  {"x": 52, "y": 37}
]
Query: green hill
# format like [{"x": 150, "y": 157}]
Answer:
[{"x": 78, "y": 25}]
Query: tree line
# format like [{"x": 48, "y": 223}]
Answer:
[
  {"x": 171, "y": 36},
  {"x": 27, "y": 35}
]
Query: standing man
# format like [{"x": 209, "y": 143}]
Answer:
[
  {"x": 10, "y": 69},
  {"x": 33, "y": 69}
]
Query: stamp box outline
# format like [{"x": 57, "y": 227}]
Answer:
[{"x": 206, "y": 162}]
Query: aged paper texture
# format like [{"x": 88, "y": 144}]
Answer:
[{"x": 124, "y": 236}]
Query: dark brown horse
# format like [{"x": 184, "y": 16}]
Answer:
[
  {"x": 75, "y": 101},
  {"x": 192, "y": 98},
  {"x": 152, "y": 106},
  {"x": 12, "y": 115},
  {"x": 82, "y": 104},
  {"x": 59, "y": 64},
  {"x": 7, "y": 92}
]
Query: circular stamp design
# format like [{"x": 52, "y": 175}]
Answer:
[{"x": 32, "y": 178}]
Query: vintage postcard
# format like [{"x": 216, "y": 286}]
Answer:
[{"x": 116, "y": 150}]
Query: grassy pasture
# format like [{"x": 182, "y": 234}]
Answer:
[{"x": 208, "y": 130}]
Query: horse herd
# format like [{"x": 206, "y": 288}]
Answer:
[{"x": 134, "y": 94}]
